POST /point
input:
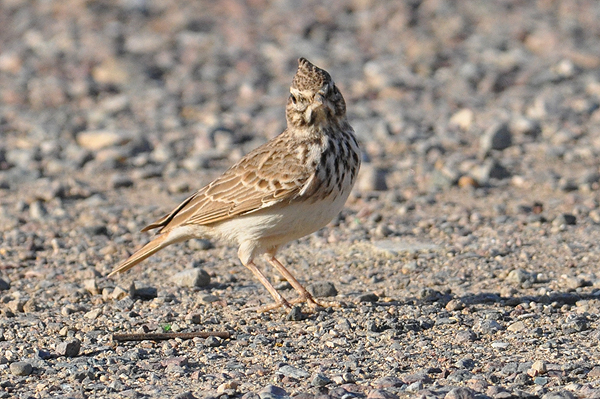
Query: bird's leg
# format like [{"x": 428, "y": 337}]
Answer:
[
  {"x": 305, "y": 296},
  {"x": 279, "y": 300}
]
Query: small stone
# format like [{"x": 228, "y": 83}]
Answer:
[
  {"x": 540, "y": 380},
  {"x": 467, "y": 181},
  {"x": 121, "y": 181},
  {"x": 564, "y": 219},
  {"x": 179, "y": 361},
  {"x": 228, "y": 385},
  {"x": 210, "y": 298},
  {"x": 460, "y": 393},
  {"x": 465, "y": 363},
  {"x": 594, "y": 373},
  {"x": 293, "y": 372},
  {"x": 322, "y": 289},
  {"x": 37, "y": 210},
  {"x": 371, "y": 178},
  {"x": 191, "y": 278},
  {"x": 295, "y": 314},
  {"x": 69, "y": 348},
  {"x": 455, "y": 304},
  {"x": 212, "y": 342},
  {"x": 93, "y": 314},
  {"x": 91, "y": 285},
  {"x": 273, "y": 392},
  {"x": 489, "y": 326},
  {"x": 15, "y": 306},
  {"x": 388, "y": 382},
  {"x": 520, "y": 276},
  {"x": 575, "y": 282},
  {"x": 194, "y": 318},
  {"x": 500, "y": 345},
  {"x": 320, "y": 380},
  {"x": 516, "y": 327},
  {"x": 497, "y": 137},
  {"x": 4, "y": 285},
  {"x": 96, "y": 140},
  {"x": 415, "y": 387},
  {"x": 525, "y": 126},
  {"x": 138, "y": 290},
  {"x": 21, "y": 368},
  {"x": 118, "y": 293},
  {"x": 380, "y": 394},
  {"x": 349, "y": 377},
  {"x": 490, "y": 169},
  {"x": 368, "y": 298},
  {"x": 110, "y": 72},
  {"x": 30, "y": 306},
  {"x": 462, "y": 119},
  {"x": 466, "y": 336},
  {"x": 459, "y": 376},
  {"x": 10, "y": 61}
]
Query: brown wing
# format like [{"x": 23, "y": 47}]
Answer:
[{"x": 269, "y": 175}]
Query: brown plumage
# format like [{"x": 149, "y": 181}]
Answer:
[{"x": 285, "y": 189}]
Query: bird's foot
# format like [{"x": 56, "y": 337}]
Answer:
[
  {"x": 313, "y": 303},
  {"x": 280, "y": 304}
]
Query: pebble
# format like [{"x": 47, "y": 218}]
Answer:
[
  {"x": 212, "y": 342},
  {"x": 520, "y": 276},
  {"x": 191, "y": 278},
  {"x": 91, "y": 285},
  {"x": 414, "y": 387},
  {"x": 322, "y": 289},
  {"x": 273, "y": 392},
  {"x": 462, "y": 119},
  {"x": 369, "y": 298},
  {"x": 293, "y": 372},
  {"x": 37, "y": 210},
  {"x": 380, "y": 394},
  {"x": 371, "y": 178},
  {"x": 460, "y": 393},
  {"x": 517, "y": 326},
  {"x": 96, "y": 140},
  {"x": 121, "y": 181},
  {"x": 496, "y": 137},
  {"x": 320, "y": 380},
  {"x": 69, "y": 348},
  {"x": 388, "y": 382},
  {"x": 210, "y": 298},
  {"x": 4, "y": 285},
  {"x": 465, "y": 336},
  {"x": 295, "y": 314},
  {"x": 564, "y": 219},
  {"x": 454, "y": 304},
  {"x": 141, "y": 291},
  {"x": 21, "y": 368}
]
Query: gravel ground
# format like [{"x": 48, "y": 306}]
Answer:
[{"x": 464, "y": 263}]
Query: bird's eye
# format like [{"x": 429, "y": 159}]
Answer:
[{"x": 293, "y": 98}]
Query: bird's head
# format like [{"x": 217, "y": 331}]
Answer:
[{"x": 314, "y": 98}]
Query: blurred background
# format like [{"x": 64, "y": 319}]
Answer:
[{"x": 436, "y": 90}]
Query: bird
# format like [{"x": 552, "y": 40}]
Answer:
[{"x": 285, "y": 189}]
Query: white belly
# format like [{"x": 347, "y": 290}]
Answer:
[{"x": 271, "y": 227}]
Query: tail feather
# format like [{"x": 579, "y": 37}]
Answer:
[{"x": 146, "y": 251}]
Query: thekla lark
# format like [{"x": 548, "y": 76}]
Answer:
[{"x": 287, "y": 188}]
